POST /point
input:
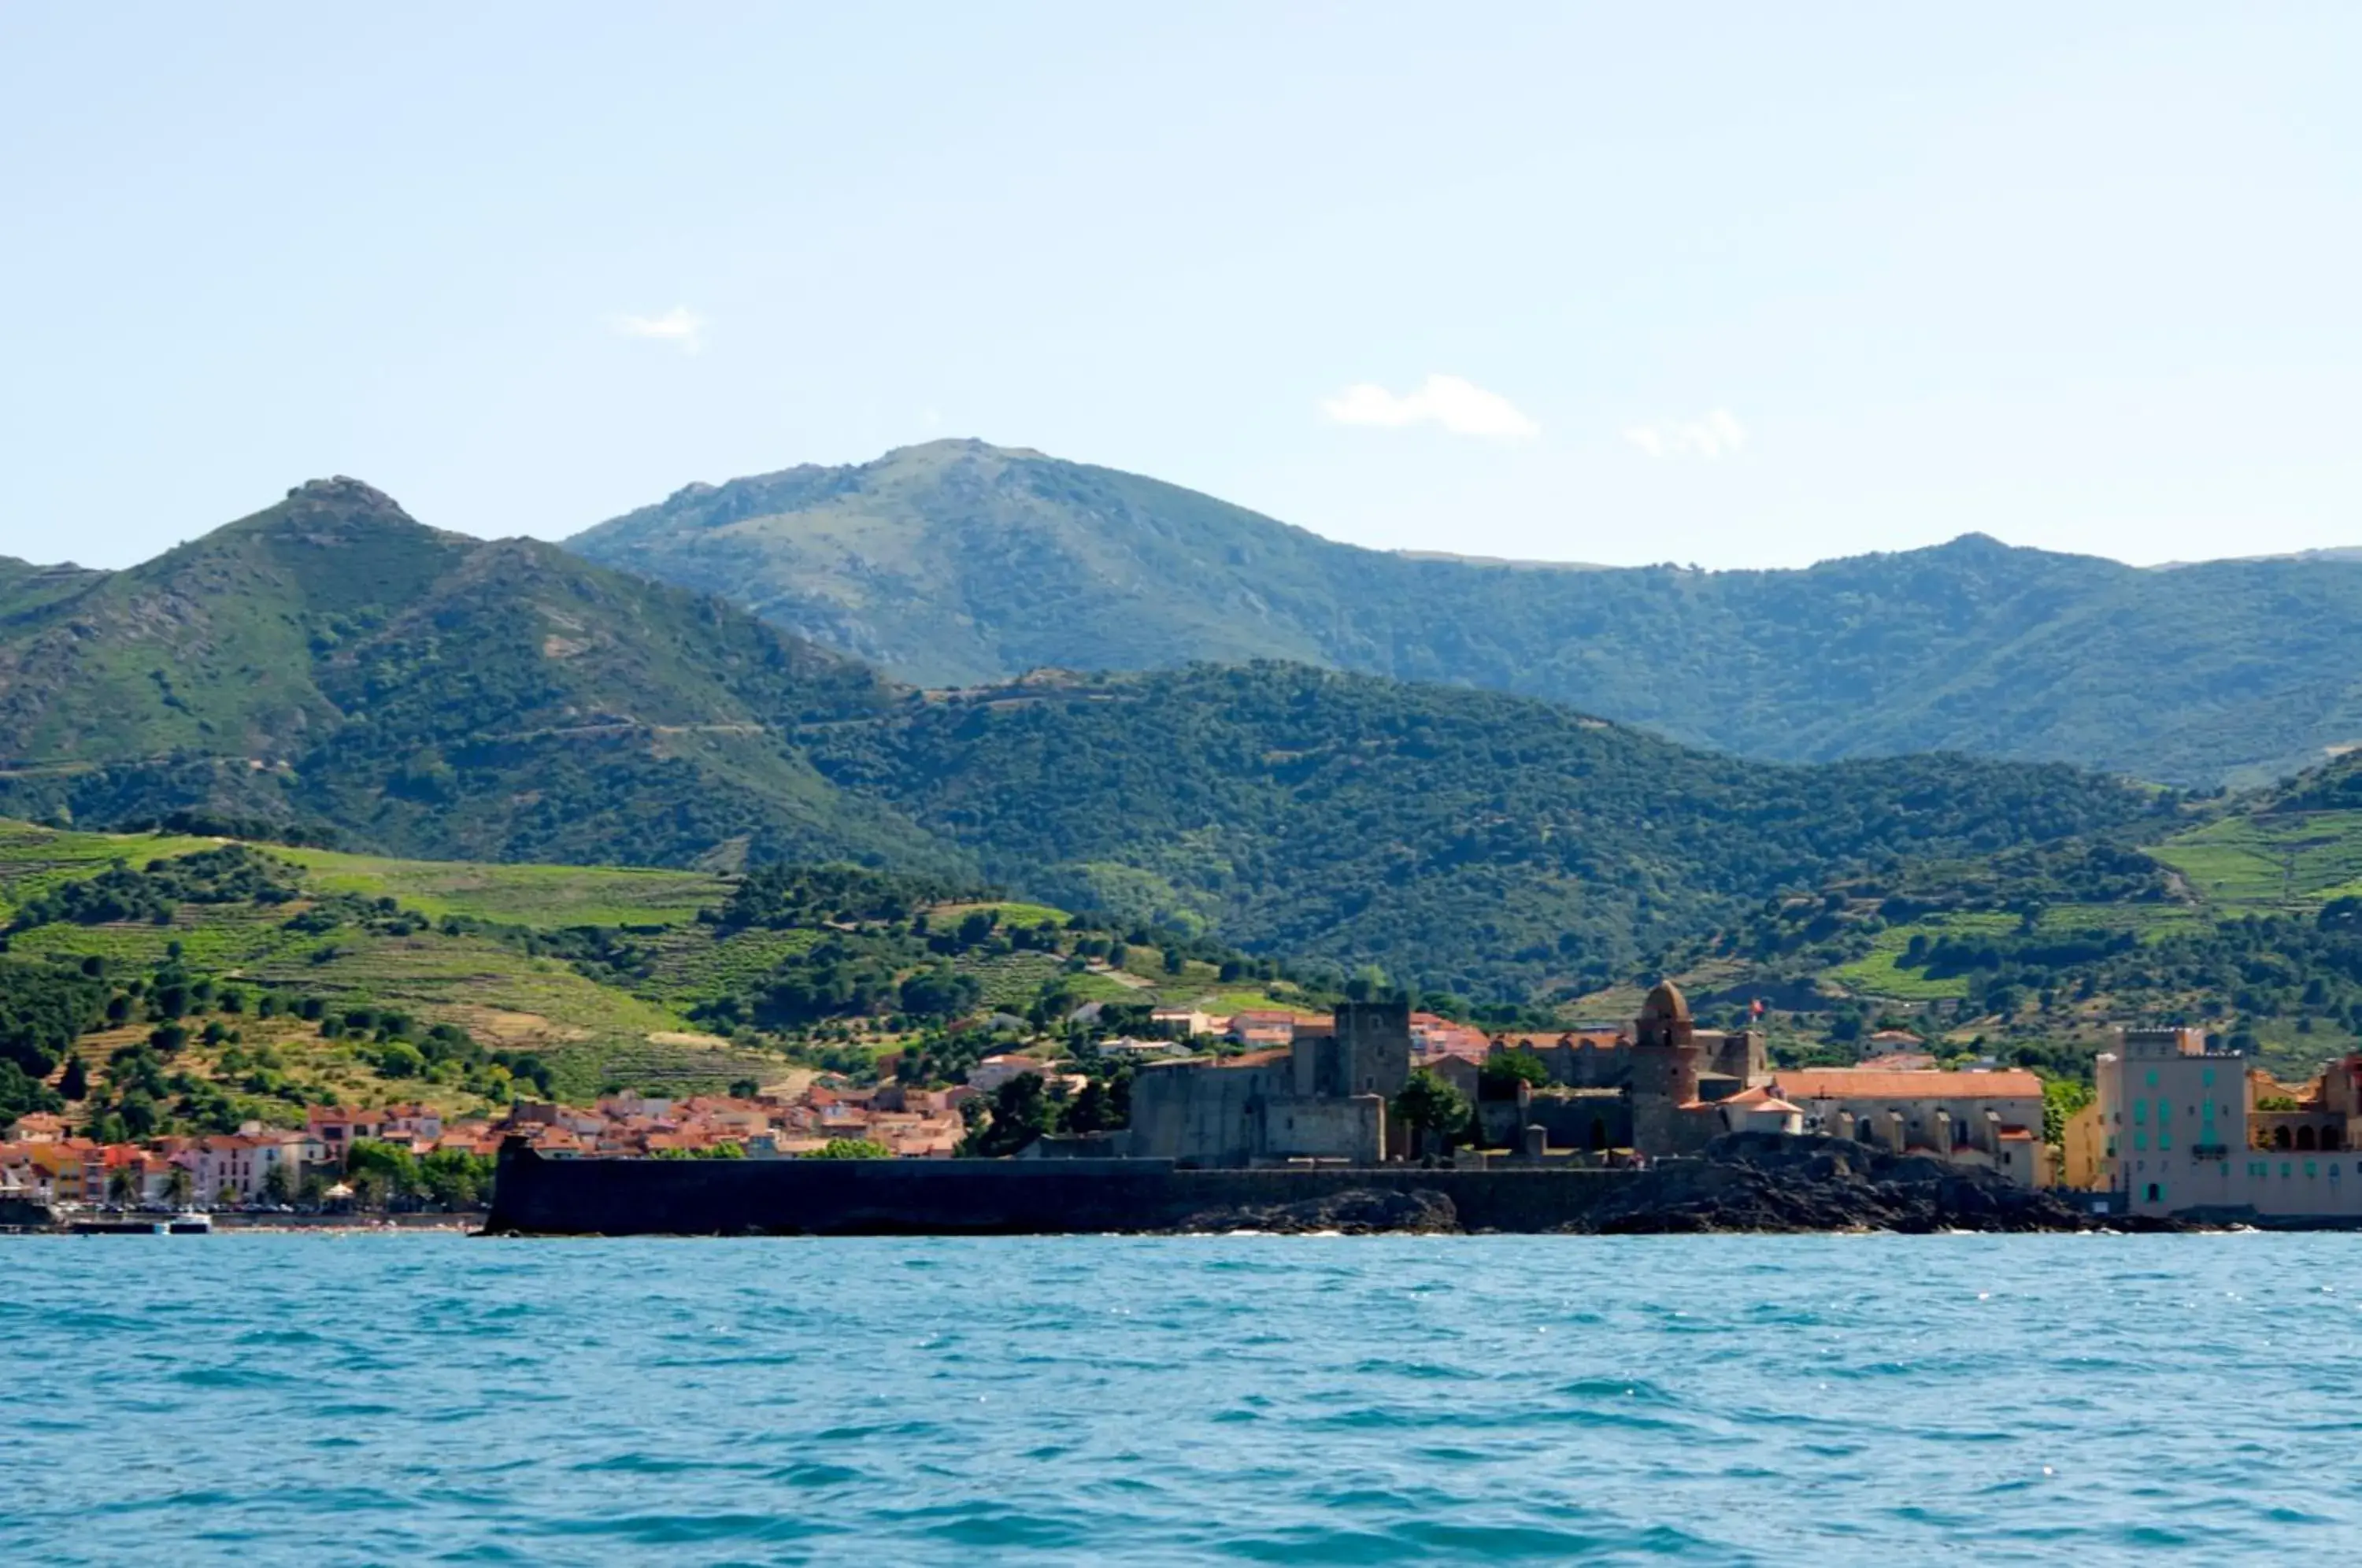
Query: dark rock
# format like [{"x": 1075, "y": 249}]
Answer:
[
  {"x": 1362, "y": 1211},
  {"x": 1766, "y": 1181}
]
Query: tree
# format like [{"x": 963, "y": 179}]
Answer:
[
  {"x": 1022, "y": 1112},
  {"x": 368, "y": 1189},
  {"x": 276, "y": 1187},
  {"x": 1502, "y": 1074},
  {"x": 123, "y": 1187},
  {"x": 392, "y": 1170},
  {"x": 1431, "y": 1106},
  {"x": 1104, "y": 1105},
  {"x": 454, "y": 1179},
  {"x": 74, "y": 1083},
  {"x": 744, "y": 1088},
  {"x": 851, "y": 1149},
  {"x": 180, "y": 1186},
  {"x": 940, "y": 991}
]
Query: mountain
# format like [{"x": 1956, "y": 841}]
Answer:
[
  {"x": 331, "y": 665},
  {"x": 957, "y": 562},
  {"x": 1462, "y": 839},
  {"x": 330, "y": 659}
]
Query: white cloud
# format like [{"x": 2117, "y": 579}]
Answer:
[
  {"x": 1716, "y": 435},
  {"x": 680, "y": 326},
  {"x": 1460, "y": 406}
]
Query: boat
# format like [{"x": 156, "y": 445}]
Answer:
[
  {"x": 183, "y": 1224},
  {"x": 117, "y": 1227}
]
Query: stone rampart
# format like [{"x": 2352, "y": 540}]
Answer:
[{"x": 704, "y": 1198}]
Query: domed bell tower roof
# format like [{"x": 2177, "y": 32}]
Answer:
[{"x": 1665, "y": 1004}]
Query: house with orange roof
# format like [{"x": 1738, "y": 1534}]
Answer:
[
  {"x": 61, "y": 1162},
  {"x": 38, "y": 1127},
  {"x": 19, "y": 1176},
  {"x": 1756, "y": 1109},
  {"x": 994, "y": 1071}
]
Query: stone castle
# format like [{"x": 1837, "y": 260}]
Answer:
[{"x": 1664, "y": 1089}]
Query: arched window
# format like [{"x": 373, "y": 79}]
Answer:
[
  {"x": 2304, "y": 1139},
  {"x": 2153, "y": 1192},
  {"x": 2280, "y": 1139},
  {"x": 2332, "y": 1137},
  {"x": 1863, "y": 1131}
]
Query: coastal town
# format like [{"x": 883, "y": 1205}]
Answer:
[{"x": 2179, "y": 1123}]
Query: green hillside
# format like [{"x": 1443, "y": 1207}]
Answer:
[
  {"x": 2244, "y": 917},
  {"x": 958, "y": 563},
  {"x": 244, "y": 982},
  {"x": 1459, "y": 839},
  {"x": 329, "y": 670},
  {"x": 331, "y": 661}
]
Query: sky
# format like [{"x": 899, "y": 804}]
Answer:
[{"x": 1725, "y": 284}]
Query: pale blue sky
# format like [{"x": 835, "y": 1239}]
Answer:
[{"x": 1741, "y": 284}]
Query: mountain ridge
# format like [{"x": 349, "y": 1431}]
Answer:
[
  {"x": 332, "y": 663},
  {"x": 959, "y": 563}
]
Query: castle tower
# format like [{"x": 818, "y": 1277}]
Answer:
[{"x": 1665, "y": 1070}]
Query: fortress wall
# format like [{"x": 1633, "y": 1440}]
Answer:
[{"x": 703, "y": 1197}]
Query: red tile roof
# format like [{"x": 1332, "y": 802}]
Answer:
[{"x": 1863, "y": 1083}]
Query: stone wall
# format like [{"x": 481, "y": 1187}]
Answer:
[{"x": 622, "y": 1197}]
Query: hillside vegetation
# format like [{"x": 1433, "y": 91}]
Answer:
[
  {"x": 960, "y": 563},
  {"x": 182, "y": 982},
  {"x": 332, "y": 672},
  {"x": 331, "y": 661},
  {"x": 2246, "y": 921},
  {"x": 1461, "y": 840}
]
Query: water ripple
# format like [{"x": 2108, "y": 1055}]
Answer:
[{"x": 1684, "y": 1399}]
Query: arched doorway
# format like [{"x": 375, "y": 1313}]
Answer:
[
  {"x": 2304, "y": 1139},
  {"x": 2280, "y": 1139}
]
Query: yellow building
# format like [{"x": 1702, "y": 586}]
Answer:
[{"x": 2083, "y": 1146}]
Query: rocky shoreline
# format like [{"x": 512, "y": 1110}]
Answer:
[{"x": 1744, "y": 1182}]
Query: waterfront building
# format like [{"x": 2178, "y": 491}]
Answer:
[
  {"x": 2184, "y": 1134},
  {"x": 1991, "y": 1119}
]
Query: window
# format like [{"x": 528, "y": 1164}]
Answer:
[
  {"x": 2140, "y": 1112},
  {"x": 2156, "y": 1193},
  {"x": 2140, "y": 1141},
  {"x": 2206, "y": 1078},
  {"x": 2309, "y": 1170},
  {"x": 2152, "y": 1077}
]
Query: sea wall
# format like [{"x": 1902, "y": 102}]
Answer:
[{"x": 843, "y": 1197}]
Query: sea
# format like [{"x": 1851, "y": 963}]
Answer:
[{"x": 363, "y": 1399}]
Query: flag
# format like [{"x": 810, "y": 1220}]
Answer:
[{"x": 1755, "y": 1007}]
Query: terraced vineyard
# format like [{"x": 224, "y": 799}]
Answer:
[
  {"x": 599, "y": 974},
  {"x": 542, "y": 895},
  {"x": 2275, "y": 860}
]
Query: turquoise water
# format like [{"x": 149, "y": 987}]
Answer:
[{"x": 322, "y": 1400}]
